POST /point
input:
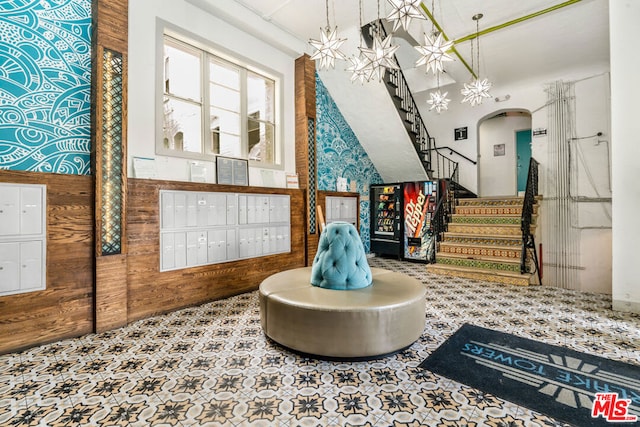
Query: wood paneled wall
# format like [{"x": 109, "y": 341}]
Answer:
[
  {"x": 110, "y": 31},
  {"x": 65, "y": 308},
  {"x": 152, "y": 292},
  {"x": 305, "y": 87}
]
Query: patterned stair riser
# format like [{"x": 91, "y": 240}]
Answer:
[
  {"x": 477, "y": 240},
  {"x": 515, "y": 220},
  {"x": 477, "y": 263},
  {"x": 487, "y": 229},
  {"x": 491, "y": 210},
  {"x": 491, "y": 202},
  {"x": 513, "y": 254},
  {"x": 476, "y": 275}
]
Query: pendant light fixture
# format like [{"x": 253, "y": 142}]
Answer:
[
  {"x": 434, "y": 50},
  {"x": 434, "y": 53},
  {"x": 359, "y": 68},
  {"x": 438, "y": 100},
  {"x": 381, "y": 54},
  {"x": 403, "y": 11},
  {"x": 327, "y": 48},
  {"x": 478, "y": 89}
]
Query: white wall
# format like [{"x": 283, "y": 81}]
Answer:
[
  {"x": 592, "y": 114},
  {"x": 143, "y": 43},
  {"x": 624, "y": 16},
  {"x": 497, "y": 175}
]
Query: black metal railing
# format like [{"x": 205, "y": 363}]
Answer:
[
  {"x": 407, "y": 107},
  {"x": 528, "y": 240},
  {"x": 443, "y": 211}
]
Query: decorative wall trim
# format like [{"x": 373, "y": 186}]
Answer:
[{"x": 111, "y": 152}]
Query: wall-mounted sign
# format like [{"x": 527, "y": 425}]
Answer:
[
  {"x": 539, "y": 131},
  {"x": 232, "y": 171},
  {"x": 460, "y": 133},
  {"x": 498, "y": 150}
]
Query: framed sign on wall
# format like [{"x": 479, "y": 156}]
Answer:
[
  {"x": 232, "y": 171},
  {"x": 460, "y": 133}
]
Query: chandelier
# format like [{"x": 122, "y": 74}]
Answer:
[
  {"x": 380, "y": 56},
  {"x": 360, "y": 65},
  {"x": 327, "y": 48},
  {"x": 403, "y": 11},
  {"x": 434, "y": 52},
  {"x": 478, "y": 89}
]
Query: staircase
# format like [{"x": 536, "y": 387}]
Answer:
[{"x": 484, "y": 241}]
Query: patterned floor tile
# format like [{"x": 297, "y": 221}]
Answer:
[{"x": 212, "y": 366}]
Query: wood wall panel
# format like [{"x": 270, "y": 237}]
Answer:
[
  {"x": 305, "y": 106},
  {"x": 110, "y": 31},
  {"x": 65, "y": 308},
  {"x": 111, "y": 273},
  {"x": 151, "y": 292}
]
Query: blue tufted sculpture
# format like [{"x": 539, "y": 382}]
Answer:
[{"x": 340, "y": 262}]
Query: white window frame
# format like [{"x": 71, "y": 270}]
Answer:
[{"x": 211, "y": 51}]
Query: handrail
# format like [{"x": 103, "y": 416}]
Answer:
[
  {"x": 443, "y": 210},
  {"x": 457, "y": 152},
  {"x": 528, "y": 241},
  {"x": 398, "y": 88}
]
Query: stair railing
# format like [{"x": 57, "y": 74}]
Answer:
[
  {"x": 407, "y": 107},
  {"x": 443, "y": 211},
  {"x": 528, "y": 240}
]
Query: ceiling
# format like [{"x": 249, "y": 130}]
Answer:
[
  {"x": 572, "y": 41},
  {"x": 571, "y": 37}
]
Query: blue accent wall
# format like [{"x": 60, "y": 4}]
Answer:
[
  {"x": 341, "y": 155},
  {"x": 45, "y": 85}
]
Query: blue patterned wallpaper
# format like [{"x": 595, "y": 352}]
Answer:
[
  {"x": 341, "y": 155},
  {"x": 45, "y": 85}
]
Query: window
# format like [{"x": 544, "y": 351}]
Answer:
[{"x": 212, "y": 106}]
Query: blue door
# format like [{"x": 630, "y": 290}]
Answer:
[{"x": 523, "y": 153}]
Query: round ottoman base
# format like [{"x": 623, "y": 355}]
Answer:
[{"x": 365, "y": 323}]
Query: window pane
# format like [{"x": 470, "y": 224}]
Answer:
[
  {"x": 261, "y": 141},
  {"x": 225, "y": 98},
  {"x": 182, "y": 72},
  {"x": 225, "y": 75},
  {"x": 260, "y": 96},
  {"x": 229, "y": 145},
  {"x": 182, "y": 126},
  {"x": 225, "y": 121}
]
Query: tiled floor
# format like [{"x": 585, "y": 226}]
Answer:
[{"x": 211, "y": 365}]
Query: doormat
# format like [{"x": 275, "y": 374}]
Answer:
[{"x": 564, "y": 384}]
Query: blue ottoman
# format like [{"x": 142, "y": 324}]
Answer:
[{"x": 340, "y": 262}]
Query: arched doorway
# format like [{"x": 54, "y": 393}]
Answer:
[{"x": 504, "y": 148}]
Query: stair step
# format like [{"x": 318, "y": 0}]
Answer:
[
  {"x": 480, "y": 251},
  {"x": 484, "y": 262},
  {"x": 492, "y": 201},
  {"x": 476, "y": 210},
  {"x": 485, "y": 219},
  {"x": 486, "y": 229},
  {"x": 480, "y": 239},
  {"x": 482, "y": 274}
]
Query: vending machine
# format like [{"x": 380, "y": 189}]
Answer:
[
  {"x": 419, "y": 204},
  {"x": 386, "y": 217}
]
